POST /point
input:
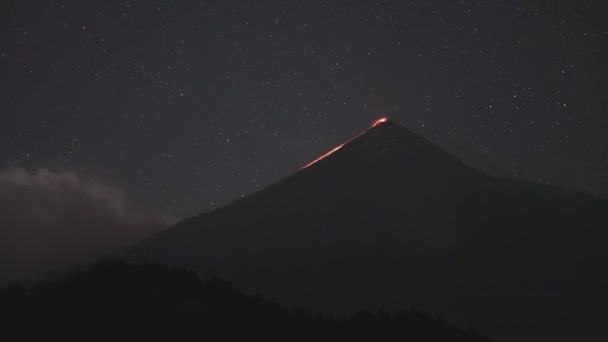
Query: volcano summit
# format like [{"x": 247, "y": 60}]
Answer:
[{"x": 388, "y": 220}]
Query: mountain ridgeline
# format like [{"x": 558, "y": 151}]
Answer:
[
  {"x": 120, "y": 302},
  {"x": 388, "y": 221}
]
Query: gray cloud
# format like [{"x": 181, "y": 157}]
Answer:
[{"x": 51, "y": 220}]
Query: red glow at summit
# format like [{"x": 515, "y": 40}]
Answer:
[{"x": 374, "y": 124}]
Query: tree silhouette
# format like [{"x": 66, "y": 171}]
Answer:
[{"x": 117, "y": 301}]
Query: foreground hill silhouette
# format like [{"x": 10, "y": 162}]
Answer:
[
  {"x": 120, "y": 302},
  {"x": 389, "y": 220}
]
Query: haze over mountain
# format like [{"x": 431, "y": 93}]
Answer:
[
  {"x": 51, "y": 220},
  {"x": 389, "y": 220}
]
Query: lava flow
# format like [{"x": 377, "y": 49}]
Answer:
[
  {"x": 379, "y": 121},
  {"x": 374, "y": 124}
]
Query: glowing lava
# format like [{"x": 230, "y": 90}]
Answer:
[
  {"x": 323, "y": 156},
  {"x": 379, "y": 121},
  {"x": 374, "y": 124}
]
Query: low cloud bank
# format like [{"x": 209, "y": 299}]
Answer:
[{"x": 52, "y": 220}]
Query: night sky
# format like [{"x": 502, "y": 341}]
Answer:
[{"x": 189, "y": 105}]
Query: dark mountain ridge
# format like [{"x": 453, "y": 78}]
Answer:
[
  {"x": 120, "y": 302},
  {"x": 389, "y": 220}
]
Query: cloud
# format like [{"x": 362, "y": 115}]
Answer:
[{"x": 51, "y": 220}]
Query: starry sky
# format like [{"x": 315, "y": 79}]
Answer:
[{"x": 189, "y": 105}]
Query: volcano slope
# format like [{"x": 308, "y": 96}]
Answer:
[{"x": 389, "y": 221}]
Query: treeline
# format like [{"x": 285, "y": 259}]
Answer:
[{"x": 115, "y": 301}]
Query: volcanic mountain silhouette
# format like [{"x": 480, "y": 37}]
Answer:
[{"x": 388, "y": 221}]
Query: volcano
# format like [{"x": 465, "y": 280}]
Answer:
[{"x": 388, "y": 220}]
